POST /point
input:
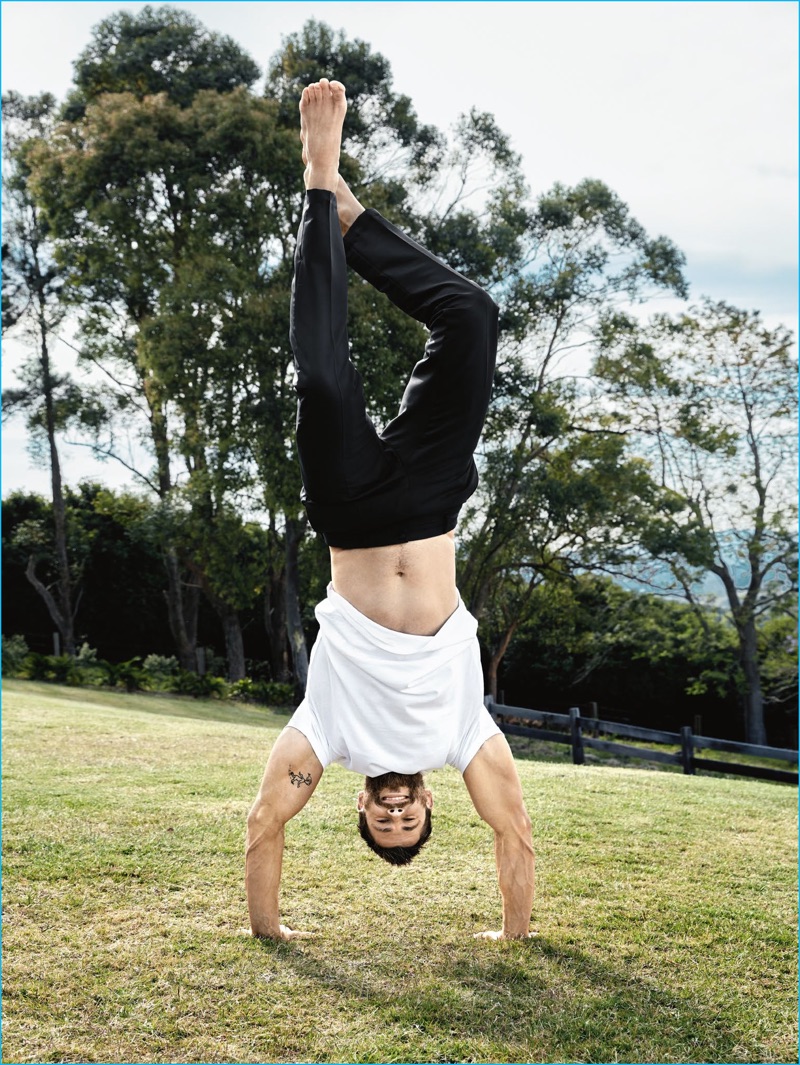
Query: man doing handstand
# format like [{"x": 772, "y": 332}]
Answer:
[{"x": 395, "y": 683}]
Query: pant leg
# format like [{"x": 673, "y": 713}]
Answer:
[
  {"x": 444, "y": 405},
  {"x": 338, "y": 447}
]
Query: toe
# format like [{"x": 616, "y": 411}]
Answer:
[{"x": 337, "y": 89}]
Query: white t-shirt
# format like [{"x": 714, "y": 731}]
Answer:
[{"x": 379, "y": 701}]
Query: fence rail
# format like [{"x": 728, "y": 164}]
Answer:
[{"x": 579, "y": 733}]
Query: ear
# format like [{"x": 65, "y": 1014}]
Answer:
[
  {"x": 360, "y": 801},
  {"x": 428, "y": 798}
]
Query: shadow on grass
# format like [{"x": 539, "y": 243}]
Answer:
[{"x": 541, "y": 1001}]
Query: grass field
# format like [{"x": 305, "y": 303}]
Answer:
[{"x": 666, "y": 907}]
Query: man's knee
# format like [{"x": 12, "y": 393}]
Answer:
[{"x": 474, "y": 310}]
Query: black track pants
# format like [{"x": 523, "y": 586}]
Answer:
[{"x": 361, "y": 488}]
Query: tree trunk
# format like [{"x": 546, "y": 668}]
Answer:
[
  {"x": 234, "y": 644},
  {"x": 231, "y": 629},
  {"x": 66, "y": 613},
  {"x": 275, "y": 624},
  {"x": 297, "y": 638},
  {"x": 497, "y": 657},
  {"x": 47, "y": 596},
  {"x": 752, "y": 697},
  {"x": 742, "y": 611},
  {"x": 182, "y": 612}
]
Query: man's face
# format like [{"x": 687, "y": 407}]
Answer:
[{"x": 394, "y": 806}]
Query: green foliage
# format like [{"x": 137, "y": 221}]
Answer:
[
  {"x": 381, "y": 128},
  {"x": 160, "y": 668},
  {"x": 712, "y": 408},
  {"x": 156, "y": 50},
  {"x": 777, "y": 646},
  {"x": 172, "y": 194},
  {"x": 185, "y": 683},
  {"x": 15, "y": 651},
  {"x": 57, "y": 669},
  {"x": 128, "y": 675},
  {"x": 267, "y": 693},
  {"x": 643, "y": 654}
]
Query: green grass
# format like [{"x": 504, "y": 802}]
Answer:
[{"x": 665, "y": 908}]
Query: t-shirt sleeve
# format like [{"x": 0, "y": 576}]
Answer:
[
  {"x": 482, "y": 728},
  {"x": 306, "y": 721}
]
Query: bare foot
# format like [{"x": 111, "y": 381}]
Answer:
[
  {"x": 322, "y": 109},
  {"x": 348, "y": 206}
]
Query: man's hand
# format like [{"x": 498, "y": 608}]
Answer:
[
  {"x": 494, "y": 787},
  {"x": 503, "y": 935},
  {"x": 292, "y": 773},
  {"x": 284, "y": 935}
]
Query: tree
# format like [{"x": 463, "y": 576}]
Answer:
[
  {"x": 149, "y": 196},
  {"x": 33, "y": 307},
  {"x": 156, "y": 50},
  {"x": 643, "y": 657},
  {"x": 709, "y": 399},
  {"x": 557, "y": 491}
]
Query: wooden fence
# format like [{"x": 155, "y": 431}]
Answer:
[{"x": 580, "y": 733}]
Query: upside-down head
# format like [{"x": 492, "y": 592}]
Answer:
[{"x": 394, "y": 816}]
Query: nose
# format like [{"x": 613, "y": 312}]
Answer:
[{"x": 395, "y": 810}]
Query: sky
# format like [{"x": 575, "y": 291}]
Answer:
[{"x": 687, "y": 110}]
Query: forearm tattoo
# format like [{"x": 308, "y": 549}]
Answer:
[{"x": 298, "y": 778}]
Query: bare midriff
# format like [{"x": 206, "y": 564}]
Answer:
[{"x": 407, "y": 587}]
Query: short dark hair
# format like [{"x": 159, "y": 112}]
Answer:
[{"x": 395, "y": 855}]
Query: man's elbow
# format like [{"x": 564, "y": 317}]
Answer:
[
  {"x": 264, "y": 823},
  {"x": 516, "y": 829}
]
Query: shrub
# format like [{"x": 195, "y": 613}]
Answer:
[
  {"x": 15, "y": 651},
  {"x": 59, "y": 669},
  {"x": 186, "y": 683},
  {"x": 128, "y": 675},
  {"x": 161, "y": 669},
  {"x": 36, "y": 666},
  {"x": 275, "y": 693},
  {"x": 89, "y": 667},
  {"x": 243, "y": 690},
  {"x": 86, "y": 656},
  {"x": 266, "y": 692}
]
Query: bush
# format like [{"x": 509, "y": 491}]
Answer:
[
  {"x": 161, "y": 669},
  {"x": 128, "y": 675},
  {"x": 186, "y": 683},
  {"x": 275, "y": 694},
  {"x": 58, "y": 669},
  {"x": 89, "y": 667},
  {"x": 266, "y": 692},
  {"x": 15, "y": 651},
  {"x": 86, "y": 656},
  {"x": 243, "y": 690}
]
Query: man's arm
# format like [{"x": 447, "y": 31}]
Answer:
[
  {"x": 293, "y": 772},
  {"x": 494, "y": 787}
]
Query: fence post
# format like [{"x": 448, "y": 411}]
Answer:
[
  {"x": 56, "y": 644},
  {"x": 687, "y": 750},
  {"x": 577, "y": 738}
]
